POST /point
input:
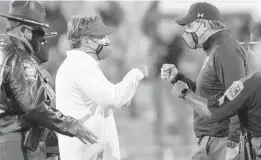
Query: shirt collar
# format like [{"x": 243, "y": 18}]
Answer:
[
  {"x": 83, "y": 55},
  {"x": 214, "y": 39}
]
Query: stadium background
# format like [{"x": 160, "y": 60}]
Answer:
[{"x": 156, "y": 126}]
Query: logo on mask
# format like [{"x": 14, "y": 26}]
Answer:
[{"x": 200, "y": 15}]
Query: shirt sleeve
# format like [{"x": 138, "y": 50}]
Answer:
[
  {"x": 181, "y": 77},
  {"x": 28, "y": 91},
  {"x": 221, "y": 110},
  {"x": 95, "y": 85},
  {"x": 230, "y": 67}
]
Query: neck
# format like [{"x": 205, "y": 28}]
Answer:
[
  {"x": 89, "y": 51},
  {"x": 207, "y": 35}
]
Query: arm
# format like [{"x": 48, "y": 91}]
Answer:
[
  {"x": 181, "y": 77},
  {"x": 212, "y": 109},
  {"x": 230, "y": 67},
  {"x": 29, "y": 92},
  {"x": 199, "y": 104},
  {"x": 96, "y": 86},
  {"x": 220, "y": 106}
]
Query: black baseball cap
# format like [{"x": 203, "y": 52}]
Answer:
[{"x": 200, "y": 10}]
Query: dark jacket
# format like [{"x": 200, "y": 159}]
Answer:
[
  {"x": 247, "y": 104},
  {"x": 226, "y": 63},
  {"x": 23, "y": 99}
]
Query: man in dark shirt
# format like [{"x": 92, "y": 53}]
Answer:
[
  {"x": 226, "y": 62},
  {"x": 242, "y": 98}
]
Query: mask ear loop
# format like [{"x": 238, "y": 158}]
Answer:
[
  {"x": 97, "y": 51},
  {"x": 186, "y": 41},
  {"x": 194, "y": 35}
]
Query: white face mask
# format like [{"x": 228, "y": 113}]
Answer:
[
  {"x": 103, "y": 49},
  {"x": 104, "y": 41}
]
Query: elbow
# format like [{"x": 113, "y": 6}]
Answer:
[{"x": 211, "y": 118}]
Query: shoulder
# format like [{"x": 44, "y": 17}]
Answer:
[
  {"x": 7, "y": 48},
  {"x": 228, "y": 52}
]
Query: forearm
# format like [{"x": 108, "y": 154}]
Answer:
[
  {"x": 126, "y": 89},
  {"x": 198, "y": 103},
  {"x": 52, "y": 119},
  {"x": 49, "y": 117},
  {"x": 106, "y": 94},
  {"x": 181, "y": 77}
]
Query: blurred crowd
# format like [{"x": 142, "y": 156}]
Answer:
[{"x": 145, "y": 36}]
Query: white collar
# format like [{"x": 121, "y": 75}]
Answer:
[{"x": 79, "y": 53}]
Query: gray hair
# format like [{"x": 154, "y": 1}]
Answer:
[
  {"x": 214, "y": 24},
  {"x": 76, "y": 25}
]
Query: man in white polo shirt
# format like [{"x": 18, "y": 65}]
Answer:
[{"x": 83, "y": 91}]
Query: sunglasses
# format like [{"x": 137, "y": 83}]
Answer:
[{"x": 38, "y": 31}]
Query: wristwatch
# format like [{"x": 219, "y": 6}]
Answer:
[
  {"x": 231, "y": 144},
  {"x": 184, "y": 92}
]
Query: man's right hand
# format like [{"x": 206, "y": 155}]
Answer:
[
  {"x": 84, "y": 134},
  {"x": 168, "y": 72},
  {"x": 144, "y": 70}
]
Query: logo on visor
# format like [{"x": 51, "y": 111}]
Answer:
[{"x": 200, "y": 15}]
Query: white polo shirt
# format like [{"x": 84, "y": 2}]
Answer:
[{"x": 82, "y": 89}]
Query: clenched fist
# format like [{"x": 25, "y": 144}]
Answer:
[
  {"x": 168, "y": 72},
  {"x": 144, "y": 70},
  {"x": 178, "y": 87}
]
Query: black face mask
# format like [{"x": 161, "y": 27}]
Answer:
[
  {"x": 42, "y": 55},
  {"x": 191, "y": 38},
  {"x": 37, "y": 39}
]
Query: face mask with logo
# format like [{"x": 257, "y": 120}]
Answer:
[{"x": 191, "y": 38}]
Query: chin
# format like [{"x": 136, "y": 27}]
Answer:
[{"x": 105, "y": 53}]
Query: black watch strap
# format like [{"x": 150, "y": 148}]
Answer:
[
  {"x": 231, "y": 144},
  {"x": 184, "y": 92}
]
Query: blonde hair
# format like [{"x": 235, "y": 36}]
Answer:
[{"x": 76, "y": 25}]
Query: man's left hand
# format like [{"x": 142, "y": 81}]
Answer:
[
  {"x": 232, "y": 153},
  {"x": 178, "y": 87}
]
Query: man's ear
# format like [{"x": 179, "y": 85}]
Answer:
[
  {"x": 22, "y": 29},
  {"x": 84, "y": 40}
]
